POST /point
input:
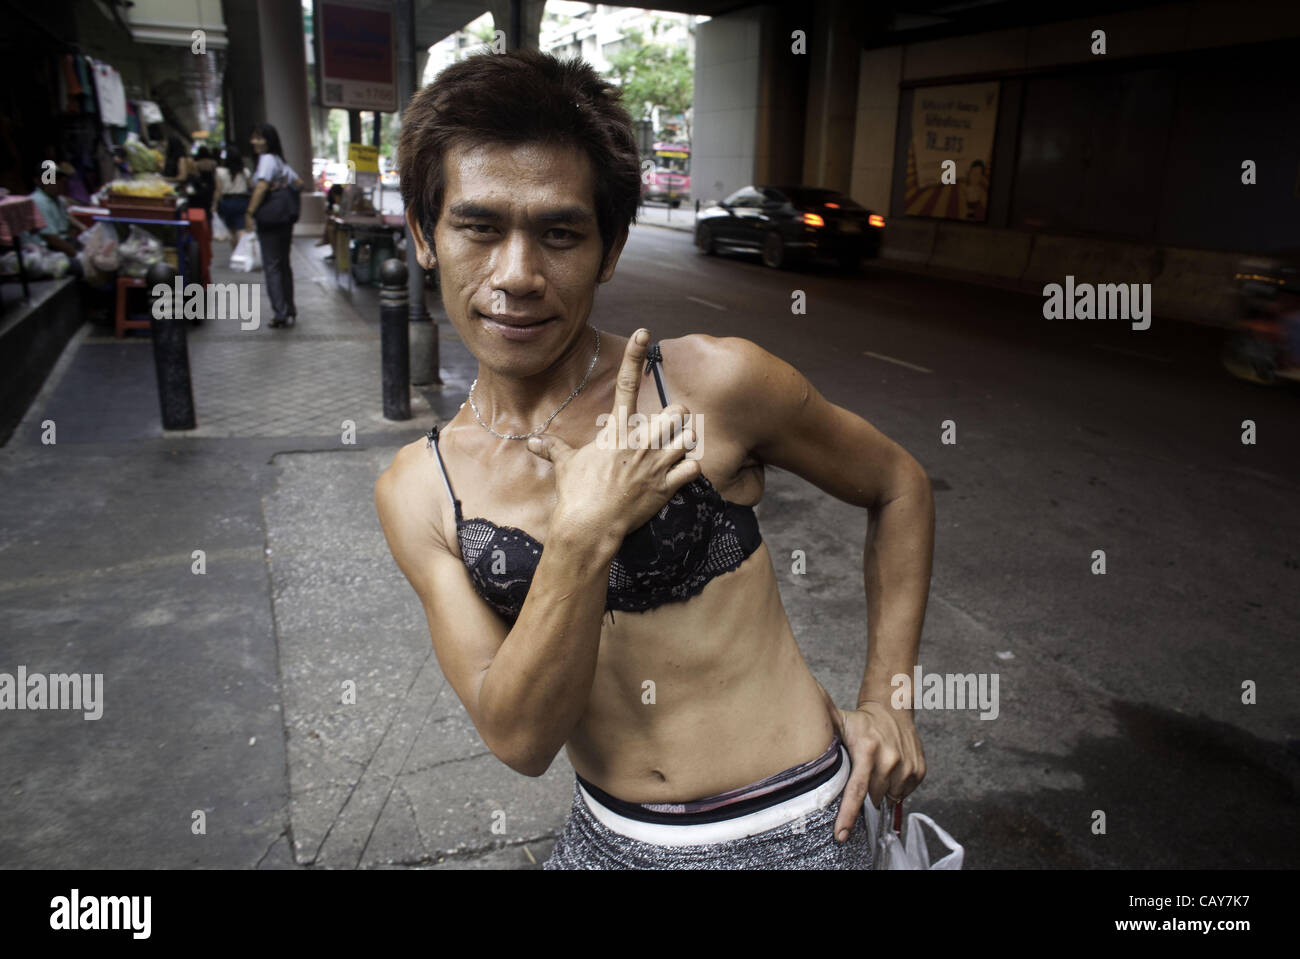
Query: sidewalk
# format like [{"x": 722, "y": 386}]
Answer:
[
  {"x": 658, "y": 214},
  {"x": 229, "y": 736}
]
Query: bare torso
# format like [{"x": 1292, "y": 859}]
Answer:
[{"x": 734, "y": 701}]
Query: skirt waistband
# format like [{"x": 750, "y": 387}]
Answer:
[
  {"x": 733, "y": 802},
  {"x": 815, "y": 793}
]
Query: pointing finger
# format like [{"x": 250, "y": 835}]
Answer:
[{"x": 628, "y": 385}]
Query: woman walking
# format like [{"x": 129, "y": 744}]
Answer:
[
  {"x": 275, "y": 197},
  {"x": 232, "y": 193}
]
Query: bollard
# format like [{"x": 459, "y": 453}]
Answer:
[
  {"x": 424, "y": 330},
  {"x": 171, "y": 355},
  {"x": 395, "y": 345}
]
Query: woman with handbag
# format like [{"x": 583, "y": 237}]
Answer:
[{"x": 272, "y": 211}]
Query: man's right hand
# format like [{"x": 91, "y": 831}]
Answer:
[{"x": 615, "y": 483}]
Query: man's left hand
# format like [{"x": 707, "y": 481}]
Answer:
[{"x": 886, "y": 755}]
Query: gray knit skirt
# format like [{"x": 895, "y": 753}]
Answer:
[{"x": 807, "y": 843}]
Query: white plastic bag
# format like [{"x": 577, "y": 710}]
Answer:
[
  {"x": 248, "y": 254},
  {"x": 99, "y": 248},
  {"x": 905, "y": 848},
  {"x": 139, "y": 251},
  {"x": 54, "y": 263},
  {"x": 220, "y": 232}
]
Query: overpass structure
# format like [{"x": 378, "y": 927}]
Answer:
[{"x": 1009, "y": 141}]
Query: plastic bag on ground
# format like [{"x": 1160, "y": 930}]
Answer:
[
  {"x": 54, "y": 263},
  {"x": 247, "y": 255},
  {"x": 39, "y": 262}
]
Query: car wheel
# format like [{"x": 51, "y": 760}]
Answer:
[
  {"x": 774, "y": 251},
  {"x": 704, "y": 240}
]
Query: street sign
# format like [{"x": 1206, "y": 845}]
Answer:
[
  {"x": 364, "y": 158},
  {"x": 363, "y": 161},
  {"x": 358, "y": 66}
]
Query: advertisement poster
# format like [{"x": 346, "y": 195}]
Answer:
[
  {"x": 951, "y": 123},
  {"x": 358, "y": 63}
]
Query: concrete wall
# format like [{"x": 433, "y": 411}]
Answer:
[
  {"x": 1193, "y": 285},
  {"x": 1187, "y": 283},
  {"x": 875, "y": 127},
  {"x": 834, "y": 53},
  {"x": 728, "y": 61},
  {"x": 32, "y": 338}
]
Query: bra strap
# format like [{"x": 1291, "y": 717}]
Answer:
[
  {"x": 431, "y": 441},
  {"x": 654, "y": 359}
]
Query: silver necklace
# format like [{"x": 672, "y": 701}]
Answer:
[{"x": 523, "y": 436}]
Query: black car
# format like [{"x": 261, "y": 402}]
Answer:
[{"x": 791, "y": 224}]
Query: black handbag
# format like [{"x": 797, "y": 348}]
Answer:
[{"x": 280, "y": 207}]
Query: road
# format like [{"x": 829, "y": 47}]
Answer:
[
  {"x": 1121, "y": 737},
  {"x": 1121, "y": 694}
]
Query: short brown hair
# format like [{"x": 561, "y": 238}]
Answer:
[{"x": 521, "y": 97}]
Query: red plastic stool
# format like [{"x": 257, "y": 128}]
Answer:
[{"x": 121, "y": 322}]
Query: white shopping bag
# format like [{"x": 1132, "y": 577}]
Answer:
[
  {"x": 220, "y": 232},
  {"x": 904, "y": 848},
  {"x": 248, "y": 254}
]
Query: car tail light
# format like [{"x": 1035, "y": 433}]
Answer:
[
  {"x": 832, "y": 206},
  {"x": 812, "y": 219},
  {"x": 876, "y": 220}
]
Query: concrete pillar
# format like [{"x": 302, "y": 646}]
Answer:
[
  {"x": 421, "y": 64},
  {"x": 728, "y": 58},
  {"x": 876, "y": 128},
  {"x": 834, "y": 51},
  {"x": 530, "y": 15},
  {"x": 783, "y": 95},
  {"x": 284, "y": 80},
  {"x": 243, "y": 80}
]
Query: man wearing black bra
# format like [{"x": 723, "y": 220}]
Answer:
[{"x": 605, "y": 590}]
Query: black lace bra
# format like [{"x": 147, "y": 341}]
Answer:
[{"x": 696, "y": 536}]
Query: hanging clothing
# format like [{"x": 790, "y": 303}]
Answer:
[
  {"x": 81, "y": 67},
  {"x": 112, "y": 95}
]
